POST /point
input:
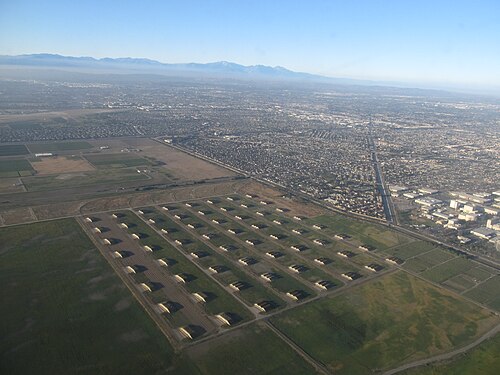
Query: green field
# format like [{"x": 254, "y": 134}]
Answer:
[
  {"x": 449, "y": 269},
  {"x": 252, "y": 350},
  {"x": 15, "y": 168},
  {"x": 116, "y": 160},
  {"x": 64, "y": 311},
  {"x": 59, "y": 146},
  {"x": 13, "y": 150},
  {"x": 40, "y": 183},
  {"x": 483, "y": 360},
  {"x": 487, "y": 293},
  {"x": 376, "y": 326},
  {"x": 366, "y": 233}
]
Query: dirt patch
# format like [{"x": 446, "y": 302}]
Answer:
[
  {"x": 182, "y": 165},
  {"x": 11, "y": 185},
  {"x": 17, "y": 216},
  {"x": 61, "y": 164}
]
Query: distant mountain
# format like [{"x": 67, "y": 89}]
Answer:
[{"x": 138, "y": 65}]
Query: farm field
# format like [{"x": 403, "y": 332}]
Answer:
[
  {"x": 15, "y": 168},
  {"x": 61, "y": 164},
  {"x": 483, "y": 360},
  {"x": 252, "y": 350},
  {"x": 58, "y": 146},
  {"x": 65, "y": 311},
  {"x": 70, "y": 180},
  {"x": 396, "y": 318},
  {"x": 122, "y": 160},
  {"x": 10, "y": 185},
  {"x": 487, "y": 293},
  {"x": 13, "y": 150}
]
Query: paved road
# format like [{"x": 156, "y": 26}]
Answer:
[{"x": 445, "y": 356}]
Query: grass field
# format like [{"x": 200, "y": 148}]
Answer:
[
  {"x": 61, "y": 181},
  {"x": 448, "y": 270},
  {"x": 59, "y": 146},
  {"x": 64, "y": 311},
  {"x": 251, "y": 350},
  {"x": 366, "y": 233},
  {"x": 13, "y": 150},
  {"x": 15, "y": 168},
  {"x": 487, "y": 293},
  {"x": 379, "y": 325},
  {"x": 122, "y": 160},
  {"x": 483, "y": 360}
]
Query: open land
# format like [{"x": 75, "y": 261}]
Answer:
[
  {"x": 199, "y": 217},
  {"x": 59, "y": 290}
]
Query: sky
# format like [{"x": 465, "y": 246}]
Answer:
[{"x": 439, "y": 41}]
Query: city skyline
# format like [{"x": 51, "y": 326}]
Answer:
[{"x": 449, "y": 43}]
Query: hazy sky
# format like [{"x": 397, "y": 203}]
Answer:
[{"x": 412, "y": 40}]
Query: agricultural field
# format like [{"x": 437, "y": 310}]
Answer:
[
  {"x": 483, "y": 360},
  {"x": 64, "y": 311},
  {"x": 61, "y": 164},
  {"x": 13, "y": 150},
  {"x": 15, "y": 168},
  {"x": 74, "y": 180},
  {"x": 122, "y": 160},
  {"x": 487, "y": 293},
  {"x": 58, "y": 146},
  {"x": 376, "y": 326},
  {"x": 10, "y": 185},
  {"x": 251, "y": 350}
]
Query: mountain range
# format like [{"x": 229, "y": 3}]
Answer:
[{"x": 142, "y": 65}]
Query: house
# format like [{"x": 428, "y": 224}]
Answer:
[
  {"x": 324, "y": 284},
  {"x": 351, "y": 275},
  {"x": 274, "y": 254},
  {"x": 298, "y": 218},
  {"x": 252, "y": 196},
  {"x": 258, "y": 226},
  {"x": 322, "y": 260},
  {"x": 298, "y": 268},
  {"x": 228, "y": 318},
  {"x": 106, "y": 241},
  {"x": 277, "y": 236},
  {"x": 319, "y": 226},
  {"x": 265, "y": 202},
  {"x": 277, "y": 222},
  {"x": 262, "y": 213},
  {"x": 297, "y": 294},
  {"x": 346, "y": 253},
  {"x": 265, "y": 306},
  {"x": 342, "y": 236},
  {"x": 146, "y": 287},
  {"x": 123, "y": 225},
  {"x": 239, "y": 285},
  {"x": 135, "y": 236},
  {"x": 191, "y": 331},
  {"x": 184, "y": 277},
  {"x": 253, "y": 242},
  {"x": 209, "y": 236},
  {"x": 247, "y": 261},
  {"x": 394, "y": 260},
  {"x": 218, "y": 269},
  {"x": 148, "y": 248},
  {"x": 166, "y": 262},
  {"x": 227, "y": 248},
  {"x": 374, "y": 267},
  {"x": 298, "y": 231},
  {"x": 299, "y": 247},
  {"x": 168, "y": 307},
  {"x": 366, "y": 247},
  {"x": 270, "y": 276},
  {"x": 201, "y": 297},
  {"x": 320, "y": 242},
  {"x": 203, "y": 213},
  {"x": 235, "y": 231},
  {"x": 199, "y": 254}
]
